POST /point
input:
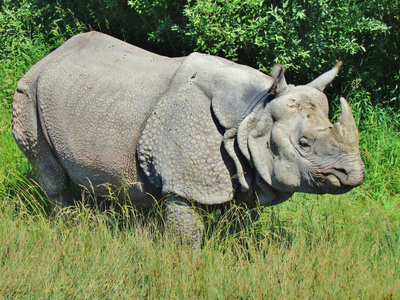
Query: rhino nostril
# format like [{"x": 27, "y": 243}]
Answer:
[
  {"x": 341, "y": 170},
  {"x": 349, "y": 177}
]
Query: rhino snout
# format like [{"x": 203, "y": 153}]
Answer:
[{"x": 342, "y": 179}]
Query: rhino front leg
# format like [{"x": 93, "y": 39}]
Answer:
[{"x": 184, "y": 220}]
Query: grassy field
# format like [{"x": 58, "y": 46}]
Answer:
[{"x": 327, "y": 247}]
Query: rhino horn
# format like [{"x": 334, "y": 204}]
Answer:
[
  {"x": 323, "y": 80},
  {"x": 345, "y": 130}
]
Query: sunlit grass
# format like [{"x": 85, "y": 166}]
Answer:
[{"x": 308, "y": 247}]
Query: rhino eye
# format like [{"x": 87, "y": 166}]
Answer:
[{"x": 305, "y": 144}]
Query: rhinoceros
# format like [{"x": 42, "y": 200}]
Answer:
[{"x": 192, "y": 130}]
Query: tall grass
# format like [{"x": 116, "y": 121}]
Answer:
[{"x": 309, "y": 247}]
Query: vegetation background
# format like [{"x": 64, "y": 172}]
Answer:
[{"x": 335, "y": 247}]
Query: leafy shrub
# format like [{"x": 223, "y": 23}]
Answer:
[
  {"x": 21, "y": 45},
  {"x": 307, "y": 37},
  {"x": 17, "y": 28},
  {"x": 160, "y": 21},
  {"x": 147, "y": 25}
]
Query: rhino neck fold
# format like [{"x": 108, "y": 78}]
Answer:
[
  {"x": 269, "y": 196},
  {"x": 242, "y": 167}
]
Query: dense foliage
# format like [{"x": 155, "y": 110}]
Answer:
[{"x": 306, "y": 36}]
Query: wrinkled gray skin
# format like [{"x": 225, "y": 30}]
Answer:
[{"x": 197, "y": 129}]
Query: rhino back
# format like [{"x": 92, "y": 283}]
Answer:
[{"x": 94, "y": 100}]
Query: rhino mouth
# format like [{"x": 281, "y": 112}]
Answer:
[{"x": 339, "y": 180}]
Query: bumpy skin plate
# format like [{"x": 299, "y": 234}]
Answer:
[{"x": 180, "y": 150}]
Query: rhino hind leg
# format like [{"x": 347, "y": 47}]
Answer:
[
  {"x": 28, "y": 134},
  {"x": 52, "y": 176},
  {"x": 183, "y": 220}
]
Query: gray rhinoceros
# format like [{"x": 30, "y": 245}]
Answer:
[{"x": 197, "y": 130}]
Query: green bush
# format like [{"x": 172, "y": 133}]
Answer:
[
  {"x": 147, "y": 25},
  {"x": 160, "y": 21},
  {"x": 17, "y": 28},
  {"x": 307, "y": 37},
  {"x": 21, "y": 45}
]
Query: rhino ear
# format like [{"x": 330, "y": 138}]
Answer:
[
  {"x": 278, "y": 74},
  {"x": 323, "y": 80}
]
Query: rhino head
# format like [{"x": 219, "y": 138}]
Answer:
[{"x": 294, "y": 147}]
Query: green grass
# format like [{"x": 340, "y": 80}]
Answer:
[{"x": 327, "y": 247}]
